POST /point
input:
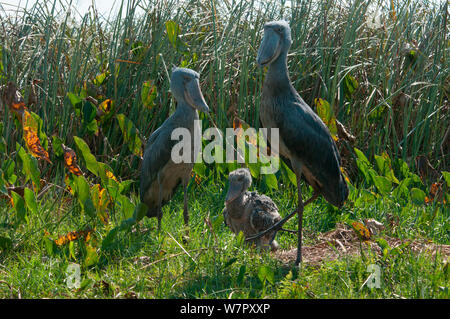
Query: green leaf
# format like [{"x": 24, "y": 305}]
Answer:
[
  {"x": 109, "y": 238},
  {"x": 385, "y": 168},
  {"x": 113, "y": 188},
  {"x": 8, "y": 171},
  {"x": 364, "y": 198},
  {"x": 255, "y": 169},
  {"x": 100, "y": 79},
  {"x": 30, "y": 200},
  {"x": 288, "y": 173},
  {"x": 417, "y": 196},
  {"x": 364, "y": 165},
  {"x": 402, "y": 189},
  {"x": 402, "y": 167},
  {"x": 325, "y": 112},
  {"x": 127, "y": 206},
  {"x": 381, "y": 163},
  {"x": 350, "y": 85},
  {"x": 89, "y": 121},
  {"x": 30, "y": 166},
  {"x": 72, "y": 251},
  {"x": 19, "y": 207},
  {"x": 89, "y": 112},
  {"x": 184, "y": 63},
  {"x": 83, "y": 193},
  {"x": 415, "y": 178},
  {"x": 91, "y": 256},
  {"x": 446, "y": 177},
  {"x": 89, "y": 159},
  {"x": 148, "y": 94},
  {"x": 173, "y": 29},
  {"x": 102, "y": 170},
  {"x": 130, "y": 134},
  {"x": 383, "y": 184},
  {"x": 57, "y": 146},
  {"x": 125, "y": 186},
  {"x": 271, "y": 181},
  {"x": 360, "y": 155},
  {"x": 363, "y": 168},
  {"x": 266, "y": 273},
  {"x": 140, "y": 211},
  {"x": 75, "y": 100}
]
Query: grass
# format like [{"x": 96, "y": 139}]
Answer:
[
  {"x": 388, "y": 85},
  {"x": 151, "y": 264}
]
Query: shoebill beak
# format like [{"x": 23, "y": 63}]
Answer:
[
  {"x": 234, "y": 191},
  {"x": 194, "y": 96},
  {"x": 269, "y": 49}
]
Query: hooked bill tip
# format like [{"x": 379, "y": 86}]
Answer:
[{"x": 262, "y": 64}]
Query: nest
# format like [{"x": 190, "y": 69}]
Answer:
[{"x": 343, "y": 241}]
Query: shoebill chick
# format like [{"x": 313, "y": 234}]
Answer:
[{"x": 250, "y": 212}]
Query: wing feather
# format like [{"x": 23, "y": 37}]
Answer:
[
  {"x": 310, "y": 141},
  {"x": 157, "y": 154}
]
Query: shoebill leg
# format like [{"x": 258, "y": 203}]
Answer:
[
  {"x": 300, "y": 208},
  {"x": 279, "y": 225},
  {"x": 159, "y": 202},
  {"x": 185, "y": 210}
]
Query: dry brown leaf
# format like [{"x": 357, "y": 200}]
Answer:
[
  {"x": 73, "y": 235},
  {"x": 343, "y": 133},
  {"x": 70, "y": 160},
  {"x": 361, "y": 230},
  {"x": 34, "y": 144}
]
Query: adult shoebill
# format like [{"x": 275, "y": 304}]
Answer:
[
  {"x": 249, "y": 212},
  {"x": 304, "y": 138},
  {"x": 160, "y": 175}
]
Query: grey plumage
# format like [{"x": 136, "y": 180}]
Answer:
[
  {"x": 304, "y": 138},
  {"x": 250, "y": 212},
  {"x": 160, "y": 175}
]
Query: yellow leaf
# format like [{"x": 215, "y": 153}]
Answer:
[
  {"x": 70, "y": 161},
  {"x": 101, "y": 200},
  {"x": 34, "y": 145},
  {"x": 361, "y": 231},
  {"x": 105, "y": 106},
  {"x": 73, "y": 235},
  {"x": 111, "y": 175}
]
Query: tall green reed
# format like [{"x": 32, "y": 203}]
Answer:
[{"x": 400, "y": 104}]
